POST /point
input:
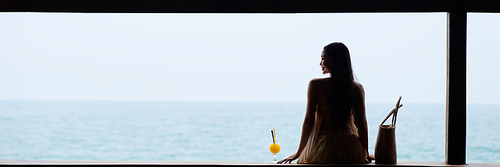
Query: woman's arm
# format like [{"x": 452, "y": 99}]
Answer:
[
  {"x": 312, "y": 101},
  {"x": 360, "y": 118}
]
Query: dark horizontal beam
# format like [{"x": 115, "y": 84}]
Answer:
[
  {"x": 491, "y": 6},
  {"x": 240, "y": 6},
  {"x": 223, "y": 6},
  {"x": 344, "y": 6}
]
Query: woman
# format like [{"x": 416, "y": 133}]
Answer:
[{"x": 334, "y": 128}]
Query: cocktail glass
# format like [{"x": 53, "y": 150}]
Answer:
[{"x": 275, "y": 149}]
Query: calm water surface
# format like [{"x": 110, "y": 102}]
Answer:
[{"x": 213, "y": 131}]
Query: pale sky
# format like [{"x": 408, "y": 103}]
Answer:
[{"x": 235, "y": 57}]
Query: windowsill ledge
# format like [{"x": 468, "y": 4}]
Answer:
[{"x": 220, "y": 163}]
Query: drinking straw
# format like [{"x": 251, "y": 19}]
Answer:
[{"x": 272, "y": 135}]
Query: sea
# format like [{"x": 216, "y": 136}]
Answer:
[{"x": 215, "y": 131}]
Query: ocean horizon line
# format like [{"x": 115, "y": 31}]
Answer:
[{"x": 221, "y": 101}]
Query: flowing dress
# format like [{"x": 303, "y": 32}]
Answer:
[{"x": 328, "y": 147}]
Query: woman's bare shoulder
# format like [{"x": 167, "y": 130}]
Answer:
[
  {"x": 359, "y": 88},
  {"x": 358, "y": 85},
  {"x": 320, "y": 80}
]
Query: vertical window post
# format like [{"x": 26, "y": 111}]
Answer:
[{"x": 456, "y": 83}]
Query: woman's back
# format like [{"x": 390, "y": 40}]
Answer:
[
  {"x": 333, "y": 139},
  {"x": 331, "y": 121}
]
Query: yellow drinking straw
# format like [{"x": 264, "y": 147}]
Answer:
[{"x": 274, "y": 135}]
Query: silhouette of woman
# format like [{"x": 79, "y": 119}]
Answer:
[{"x": 334, "y": 128}]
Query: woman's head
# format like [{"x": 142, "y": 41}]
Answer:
[{"x": 337, "y": 61}]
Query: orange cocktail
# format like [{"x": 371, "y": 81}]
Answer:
[{"x": 274, "y": 148}]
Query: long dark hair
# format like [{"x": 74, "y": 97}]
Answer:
[{"x": 342, "y": 80}]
